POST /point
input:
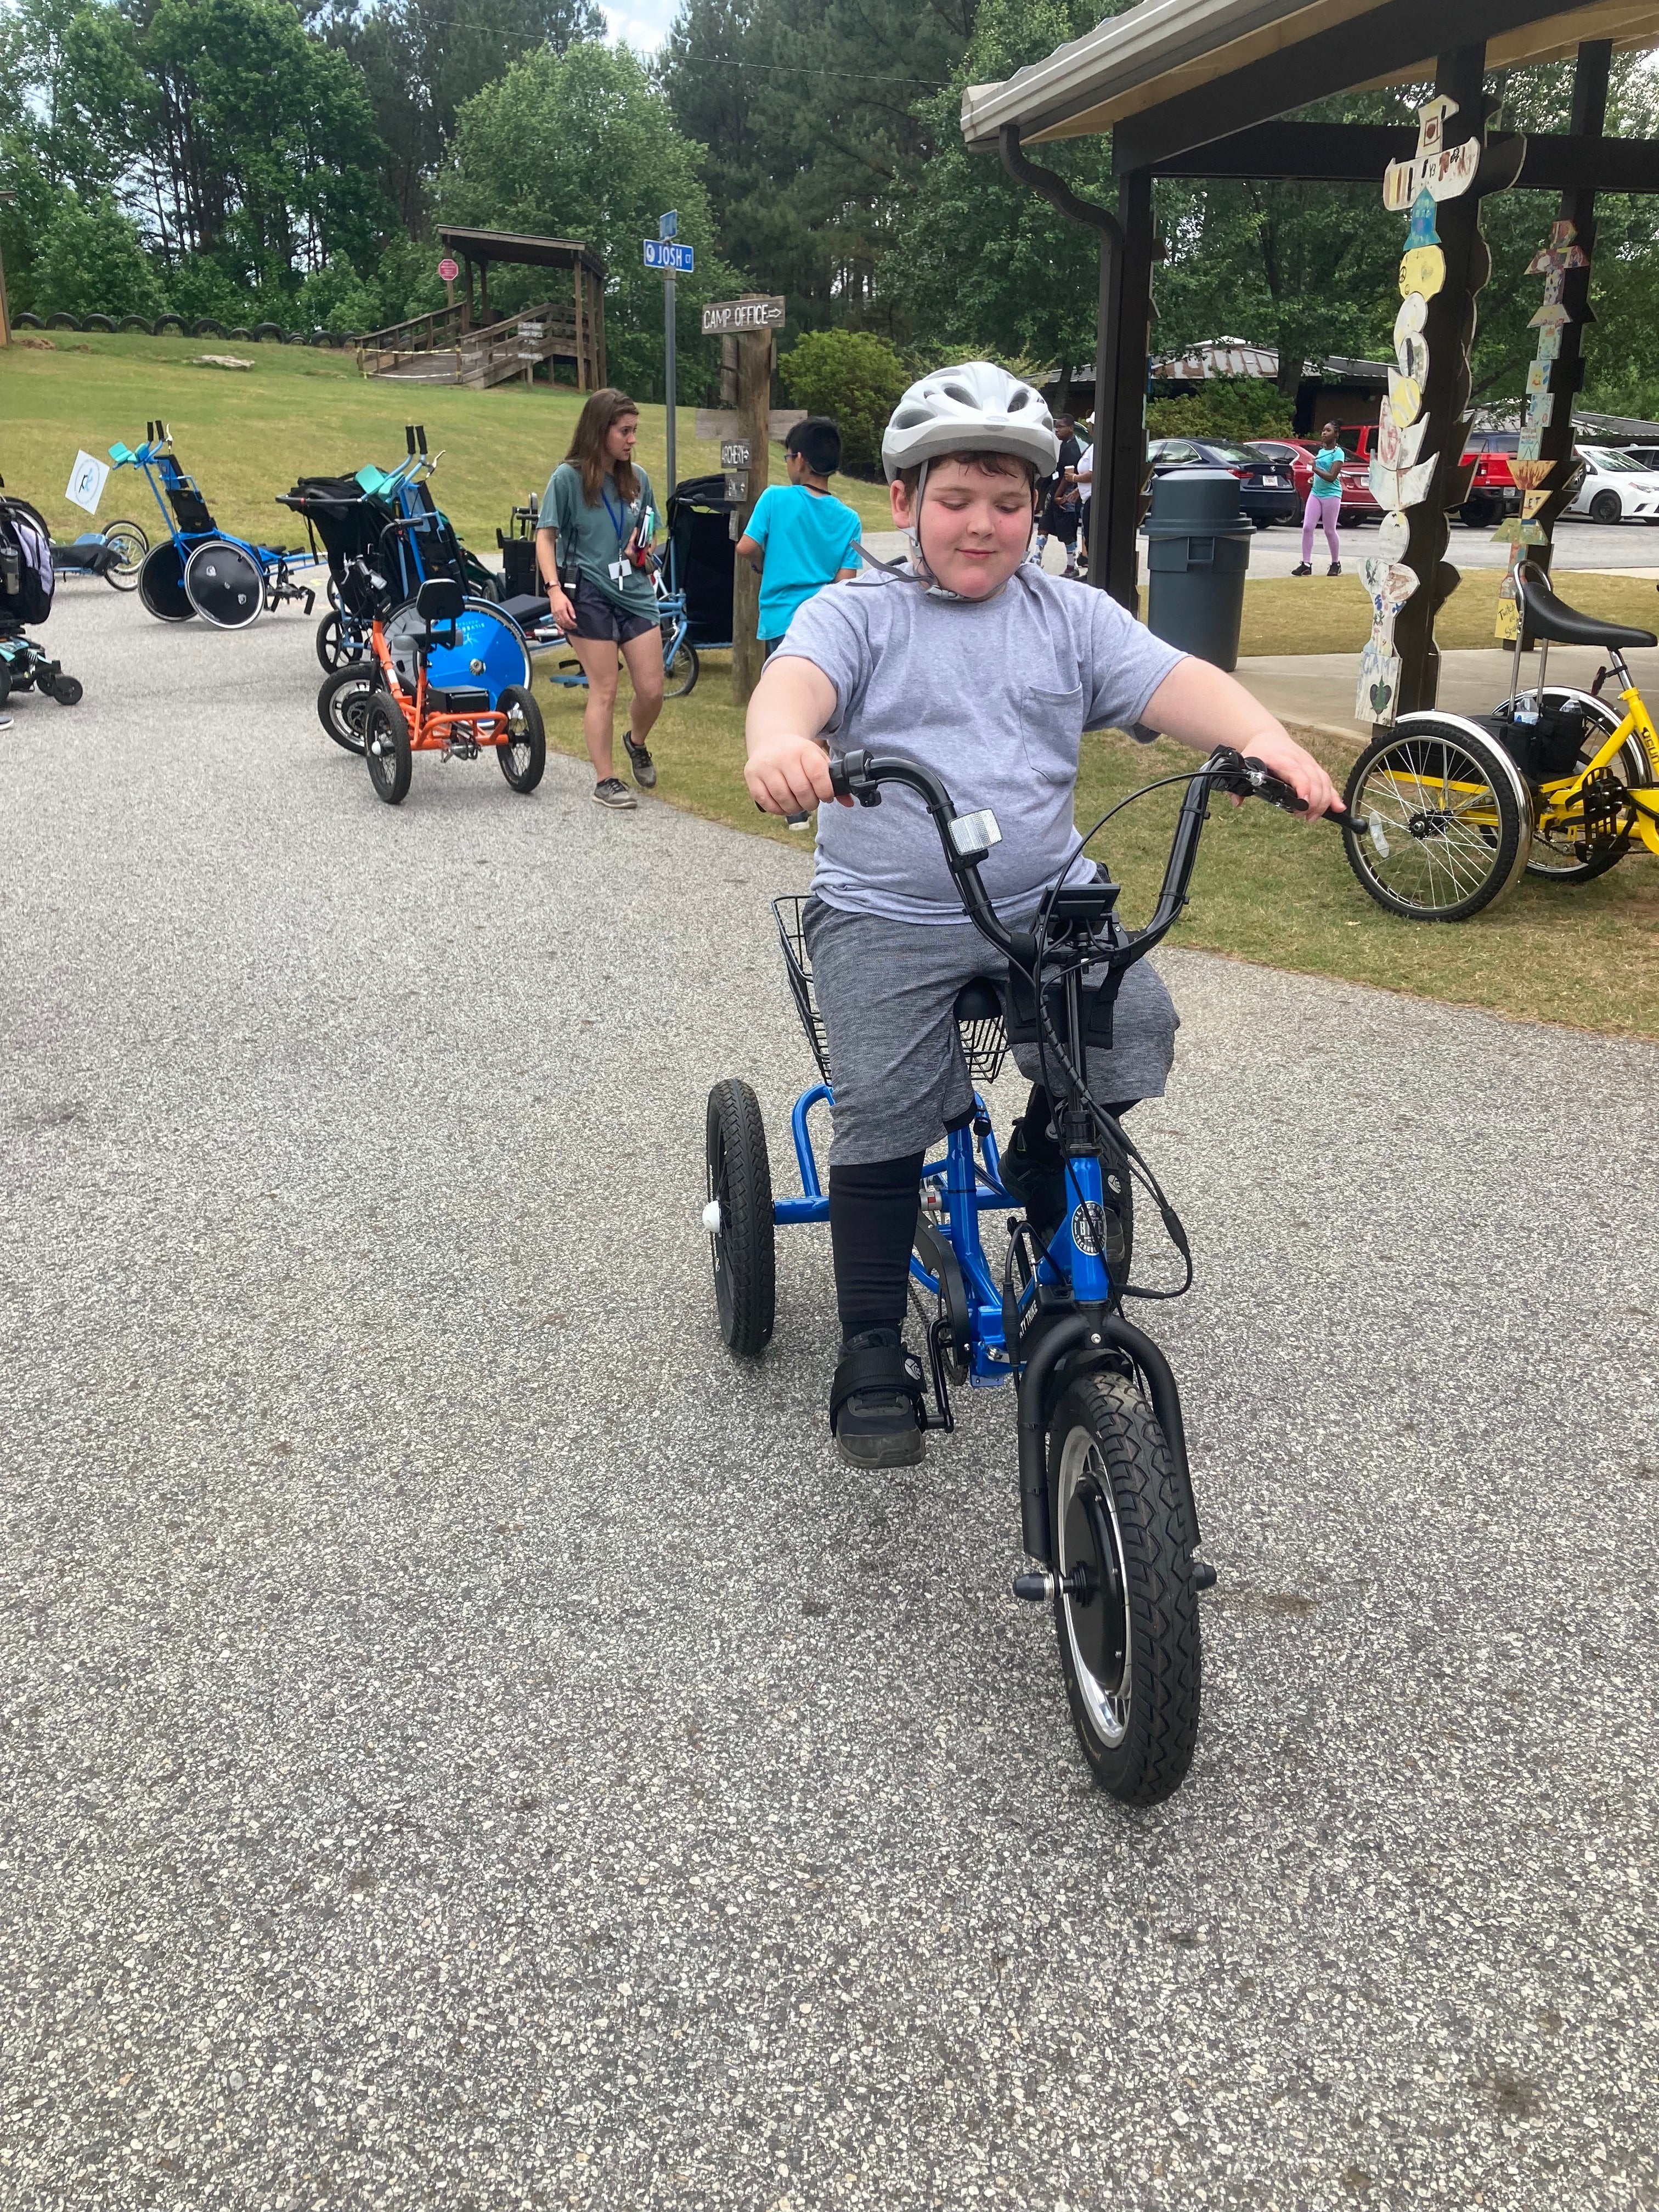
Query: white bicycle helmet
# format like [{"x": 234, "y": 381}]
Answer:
[{"x": 975, "y": 407}]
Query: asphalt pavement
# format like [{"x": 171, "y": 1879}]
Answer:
[{"x": 466, "y": 1743}]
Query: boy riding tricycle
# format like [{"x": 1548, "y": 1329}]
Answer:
[{"x": 967, "y": 679}]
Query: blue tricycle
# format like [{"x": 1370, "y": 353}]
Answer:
[
  {"x": 201, "y": 569},
  {"x": 1107, "y": 1513}
]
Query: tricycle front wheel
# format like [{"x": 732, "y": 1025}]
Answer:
[
  {"x": 1126, "y": 1604},
  {"x": 738, "y": 1217}
]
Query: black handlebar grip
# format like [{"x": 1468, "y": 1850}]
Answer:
[{"x": 841, "y": 781}]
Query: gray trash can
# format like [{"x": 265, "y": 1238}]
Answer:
[{"x": 1198, "y": 551}]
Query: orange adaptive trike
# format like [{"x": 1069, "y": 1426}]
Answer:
[{"x": 437, "y": 683}]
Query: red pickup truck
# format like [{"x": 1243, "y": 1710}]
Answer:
[{"x": 1493, "y": 493}]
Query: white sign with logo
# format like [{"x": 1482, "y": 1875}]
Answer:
[{"x": 86, "y": 481}]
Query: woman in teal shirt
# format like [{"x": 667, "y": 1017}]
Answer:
[
  {"x": 1324, "y": 502},
  {"x": 597, "y": 517}
]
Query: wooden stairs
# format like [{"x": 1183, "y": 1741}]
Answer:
[{"x": 435, "y": 349}]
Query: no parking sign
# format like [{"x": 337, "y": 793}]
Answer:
[{"x": 86, "y": 481}]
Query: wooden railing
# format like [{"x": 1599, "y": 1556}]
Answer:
[{"x": 488, "y": 355}]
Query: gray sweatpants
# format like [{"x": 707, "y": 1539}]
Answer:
[{"x": 885, "y": 990}]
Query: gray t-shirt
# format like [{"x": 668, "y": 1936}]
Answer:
[{"x": 993, "y": 694}]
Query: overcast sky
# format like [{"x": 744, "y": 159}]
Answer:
[{"x": 642, "y": 24}]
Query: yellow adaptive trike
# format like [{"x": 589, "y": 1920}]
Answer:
[{"x": 1450, "y": 810}]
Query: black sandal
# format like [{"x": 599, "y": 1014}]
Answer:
[{"x": 876, "y": 1401}]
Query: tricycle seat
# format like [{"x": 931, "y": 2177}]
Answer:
[{"x": 1552, "y": 618}]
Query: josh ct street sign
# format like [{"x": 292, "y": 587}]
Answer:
[
  {"x": 742, "y": 315},
  {"x": 662, "y": 253}
]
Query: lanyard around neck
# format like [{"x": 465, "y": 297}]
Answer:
[{"x": 618, "y": 515}]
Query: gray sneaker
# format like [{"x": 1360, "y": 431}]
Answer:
[
  {"x": 644, "y": 767},
  {"x": 614, "y": 793}
]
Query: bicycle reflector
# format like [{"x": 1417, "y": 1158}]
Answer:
[{"x": 974, "y": 835}]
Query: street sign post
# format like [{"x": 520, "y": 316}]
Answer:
[
  {"x": 720, "y": 316},
  {"x": 662, "y": 252}
]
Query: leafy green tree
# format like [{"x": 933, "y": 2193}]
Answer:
[
  {"x": 423, "y": 60},
  {"x": 853, "y": 375},
  {"x": 91, "y": 262},
  {"x": 817, "y": 144},
  {"x": 239, "y": 136},
  {"x": 582, "y": 145},
  {"x": 982, "y": 261}
]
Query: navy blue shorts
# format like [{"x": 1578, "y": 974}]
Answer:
[{"x": 601, "y": 619}]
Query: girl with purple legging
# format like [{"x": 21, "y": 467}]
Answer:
[{"x": 1324, "y": 502}]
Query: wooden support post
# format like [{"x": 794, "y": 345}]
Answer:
[
  {"x": 1577, "y": 207},
  {"x": 1447, "y": 331},
  {"x": 484, "y": 293},
  {"x": 754, "y": 402},
  {"x": 466, "y": 303},
  {"x": 1120, "y": 463}
]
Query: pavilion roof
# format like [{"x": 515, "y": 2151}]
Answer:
[{"x": 1162, "y": 50}]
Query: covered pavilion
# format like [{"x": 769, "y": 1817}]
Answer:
[{"x": 1209, "y": 88}]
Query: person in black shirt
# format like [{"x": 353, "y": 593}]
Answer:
[{"x": 1061, "y": 500}]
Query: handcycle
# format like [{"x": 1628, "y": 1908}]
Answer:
[
  {"x": 1555, "y": 784},
  {"x": 114, "y": 551},
  {"x": 404, "y": 712},
  {"x": 1107, "y": 1517},
  {"x": 201, "y": 569}
]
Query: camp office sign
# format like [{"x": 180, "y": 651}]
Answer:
[{"x": 721, "y": 316}]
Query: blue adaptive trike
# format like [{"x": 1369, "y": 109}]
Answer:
[
  {"x": 1106, "y": 1513},
  {"x": 201, "y": 569}
]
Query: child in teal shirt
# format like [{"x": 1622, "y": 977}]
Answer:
[
  {"x": 799, "y": 536},
  {"x": 1324, "y": 502}
]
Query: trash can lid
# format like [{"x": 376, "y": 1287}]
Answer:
[{"x": 1195, "y": 498}]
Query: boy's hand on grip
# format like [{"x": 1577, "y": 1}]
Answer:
[
  {"x": 789, "y": 775},
  {"x": 1278, "y": 750}
]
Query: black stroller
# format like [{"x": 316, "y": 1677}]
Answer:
[
  {"x": 702, "y": 560},
  {"x": 384, "y": 523},
  {"x": 27, "y": 583}
]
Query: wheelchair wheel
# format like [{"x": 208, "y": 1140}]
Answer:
[
  {"x": 1448, "y": 816},
  {"x": 1560, "y": 852},
  {"x": 679, "y": 675},
  {"x": 161, "y": 584},
  {"x": 386, "y": 748},
  {"x": 524, "y": 756},
  {"x": 130, "y": 545},
  {"x": 67, "y": 690},
  {"x": 1125, "y": 1611},
  {"x": 738, "y": 1217},
  {"x": 225, "y": 585},
  {"x": 343, "y": 705},
  {"x": 334, "y": 649}
]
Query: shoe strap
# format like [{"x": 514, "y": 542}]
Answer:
[{"x": 876, "y": 1367}]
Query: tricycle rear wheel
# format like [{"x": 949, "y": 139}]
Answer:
[
  {"x": 738, "y": 1217},
  {"x": 1126, "y": 1610}
]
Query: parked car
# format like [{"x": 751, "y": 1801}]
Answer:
[
  {"x": 1493, "y": 493},
  {"x": 1266, "y": 493},
  {"x": 1615, "y": 487},
  {"x": 1359, "y": 501}
]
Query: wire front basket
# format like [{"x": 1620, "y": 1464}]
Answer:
[{"x": 984, "y": 1041}]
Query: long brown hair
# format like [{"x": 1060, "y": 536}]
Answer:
[{"x": 587, "y": 445}]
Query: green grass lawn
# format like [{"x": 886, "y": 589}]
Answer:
[
  {"x": 247, "y": 435},
  {"x": 1333, "y": 614},
  {"x": 1268, "y": 888}
]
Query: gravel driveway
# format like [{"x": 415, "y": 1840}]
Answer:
[{"x": 466, "y": 1744}]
